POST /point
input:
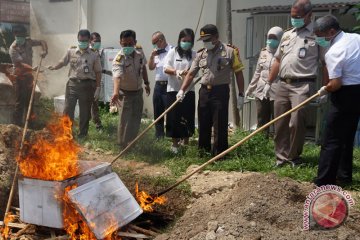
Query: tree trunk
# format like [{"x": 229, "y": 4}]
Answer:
[{"x": 235, "y": 110}]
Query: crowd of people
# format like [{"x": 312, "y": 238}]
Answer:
[{"x": 285, "y": 75}]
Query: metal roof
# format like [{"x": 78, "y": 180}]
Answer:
[{"x": 287, "y": 8}]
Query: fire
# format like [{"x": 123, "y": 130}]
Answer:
[
  {"x": 5, "y": 230},
  {"x": 52, "y": 157},
  {"x": 77, "y": 228},
  {"x": 146, "y": 201}
]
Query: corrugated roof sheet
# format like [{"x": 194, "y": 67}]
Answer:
[{"x": 286, "y": 8}]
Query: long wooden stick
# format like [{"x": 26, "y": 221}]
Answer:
[
  {"x": 152, "y": 124},
  {"x": 238, "y": 144},
  {"x": 23, "y": 138}
]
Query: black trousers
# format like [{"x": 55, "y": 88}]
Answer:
[
  {"x": 337, "y": 149},
  {"x": 180, "y": 121},
  {"x": 23, "y": 88},
  {"x": 159, "y": 104},
  {"x": 213, "y": 111}
]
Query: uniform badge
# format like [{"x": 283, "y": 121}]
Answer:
[{"x": 202, "y": 63}]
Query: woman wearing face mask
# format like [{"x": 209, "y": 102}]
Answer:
[
  {"x": 265, "y": 104},
  {"x": 180, "y": 124}
]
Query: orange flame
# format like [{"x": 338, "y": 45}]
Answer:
[
  {"x": 5, "y": 230},
  {"x": 146, "y": 201},
  {"x": 77, "y": 228},
  {"x": 52, "y": 157}
]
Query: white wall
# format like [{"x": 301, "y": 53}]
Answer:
[{"x": 58, "y": 23}]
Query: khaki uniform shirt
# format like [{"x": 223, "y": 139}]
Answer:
[
  {"x": 299, "y": 54},
  {"x": 261, "y": 75},
  {"x": 217, "y": 64},
  {"x": 79, "y": 61},
  {"x": 23, "y": 53},
  {"x": 129, "y": 68}
]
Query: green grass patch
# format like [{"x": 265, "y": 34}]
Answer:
[{"x": 257, "y": 154}]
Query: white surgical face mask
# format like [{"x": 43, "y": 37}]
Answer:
[{"x": 209, "y": 45}]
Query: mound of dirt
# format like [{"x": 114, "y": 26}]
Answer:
[
  {"x": 9, "y": 138},
  {"x": 234, "y": 205}
]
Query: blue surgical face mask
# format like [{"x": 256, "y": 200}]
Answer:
[
  {"x": 128, "y": 50},
  {"x": 185, "y": 45},
  {"x": 20, "y": 40},
  {"x": 209, "y": 45},
  {"x": 96, "y": 45},
  {"x": 155, "y": 46},
  {"x": 297, "y": 22},
  {"x": 83, "y": 44},
  {"x": 322, "y": 42},
  {"x": 272, "y": 43}
]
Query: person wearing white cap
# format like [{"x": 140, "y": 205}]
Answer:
[{"x": 265, "y": 104}]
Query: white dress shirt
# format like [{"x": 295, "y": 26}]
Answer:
[
  {"x": 343, "y": 58},
  {"x": 159, "y": 61},
  {"x": 173, "y": 60}
]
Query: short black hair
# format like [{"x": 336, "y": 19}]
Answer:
[
  {"x": 84, "y": 33},
  {"x": 19, "y": 29},
  {"x": 326, "y": 23},
  {"x": 183, "y": 33},
  {"x": 128, "y": 33},
  {"x": 94, "y": 35}
]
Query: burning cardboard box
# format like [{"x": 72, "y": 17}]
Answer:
[{"x": 56, "y": 190}]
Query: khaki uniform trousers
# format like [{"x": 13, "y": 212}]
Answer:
[
  {"x": 82, "y": 90},
  {"x": 130, "y": 116},
  {"x": 290, "y": 130}
]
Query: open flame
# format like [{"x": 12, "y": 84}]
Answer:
[
  {"x": 77, "y": 228},
  {"x": 52, "y": 157},
  {"x": 147, "y": 201},
  {"x": 5, "y": 230}
]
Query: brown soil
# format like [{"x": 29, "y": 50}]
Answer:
[
  {"x": 9, "y": 137},
  {"x": 223, "y": 205},
  {"x": 251, "y": 206}
]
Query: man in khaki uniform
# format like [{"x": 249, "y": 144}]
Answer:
[
  {"x": 129, "y": 74},
  {"x": 297, "y": 61},
  {"x": 217, "y": 62},
  {"x": 21, "y": 54},
  {"x": 84, "y": 78}
]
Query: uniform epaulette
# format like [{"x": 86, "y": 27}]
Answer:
[
  {"x": 118, "y": 58},
  {"x": 73, "y": 47},
  {"x": 286, "y": 30},
  {"x": 138, "y": 46},
  {"x": 200, "y": 50}
]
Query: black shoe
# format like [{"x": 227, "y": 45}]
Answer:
[
  {"x": 343, "y": 182},
  {"x": 297, "y": 162}
]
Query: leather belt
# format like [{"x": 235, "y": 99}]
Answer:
[
  {"x": 211, "y": 87},
  {"x": 162, "y": 82},
  {"x": 297, "y": 80},
  {"x": 81, "y": 80}
]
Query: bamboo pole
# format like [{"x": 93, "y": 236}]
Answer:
[
  {"x": 11, "y": 195},
  {"x": 237, "y": 144},
  {"x": 152, "y": 124}
]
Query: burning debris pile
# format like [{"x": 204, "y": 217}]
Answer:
[{"x": 57, "y": 190}]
